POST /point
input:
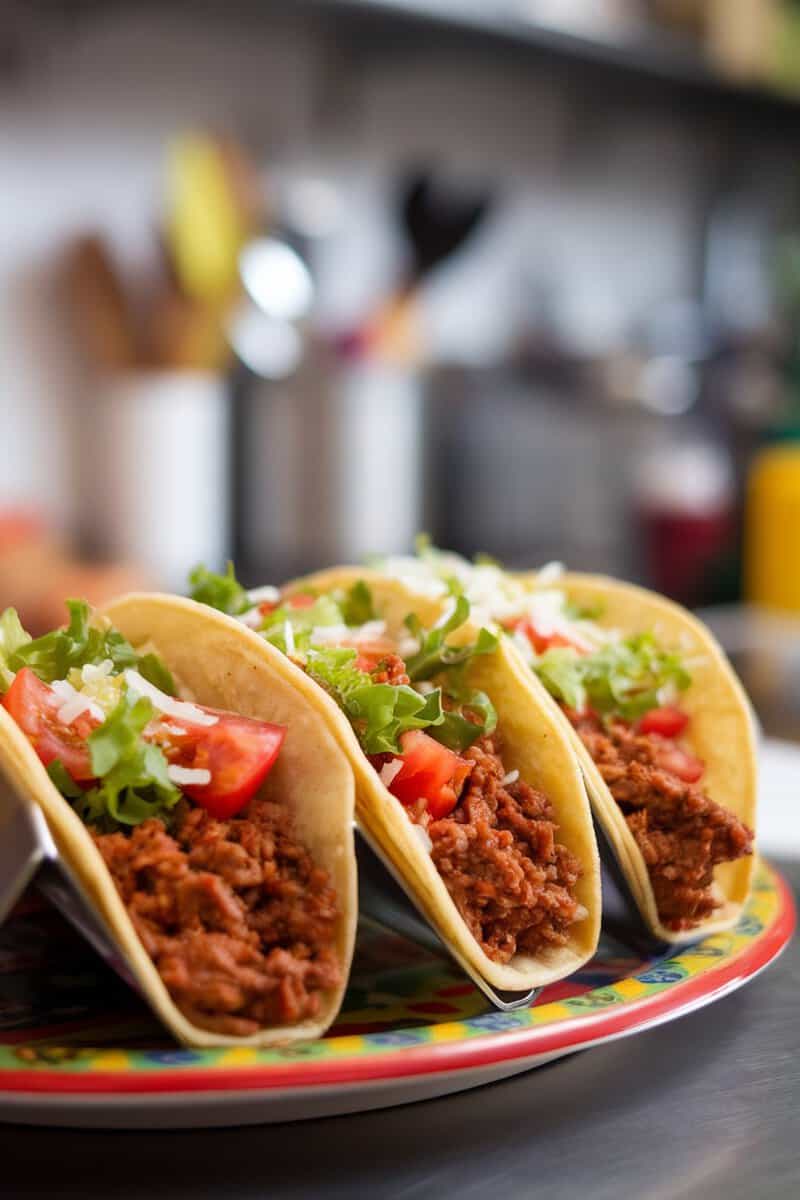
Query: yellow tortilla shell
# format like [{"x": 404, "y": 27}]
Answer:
[
  {"x": 721, "y": 732},
  {"x": 217, "y": 662},
  {"x": 534, "y": 743}
]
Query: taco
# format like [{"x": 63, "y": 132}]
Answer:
[
  {"x": 191, "y": 786},
  {"x": 662, "y": 728},
  {"x": 465, "y": 780}
]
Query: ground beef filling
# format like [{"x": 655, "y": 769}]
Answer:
[
  {"x": 682, "y": 833},
  {"x": 497, "y": 853},
  {"x": 238, "y": 920}
]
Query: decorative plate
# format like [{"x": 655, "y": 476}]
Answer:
[{"x": 77, "y": 1048}]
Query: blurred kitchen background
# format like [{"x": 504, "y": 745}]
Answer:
[{"x": 289, "y": 282}]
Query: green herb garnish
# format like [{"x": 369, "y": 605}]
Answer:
[
  {"x": 223, "y": 592},
  {"x": 434, "y": 654}
]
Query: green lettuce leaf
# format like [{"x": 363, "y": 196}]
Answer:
[
  {"x": 622, "y": 679},
  {"x": 324, "y": 611},
  {"x": 434, "y": 655},
  {"x": 53, "y": 655},
  {"x": 458, "y": 732},
  {"x": 356, "y": 605},
  {"x": 133, "y": 782},
  {"x": 223, "y": 592},
  {"x": 12, "y": 639},
  {"x": 63, "y": 780},
  {"x": 379, "y": 712}
]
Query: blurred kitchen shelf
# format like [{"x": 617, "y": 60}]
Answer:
[{"x": 654, "y": 54}]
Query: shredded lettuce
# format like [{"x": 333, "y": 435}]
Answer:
[
  {"x": 223, "y": 592},
  {"x": 132, "y": 773},
  {"x": 379, "y": 712},
  {"x": 459, "y": 732},
  {"x": 356, "y": 604},
  {"x": 63, "y": 780},
  {"x": 434, "y": 654},
  {"x": 55, "y": 654},
  {"x": 12, "y": 639},
  {"x": 621, "y": 679},
  {"x": 324, "y": 611}
]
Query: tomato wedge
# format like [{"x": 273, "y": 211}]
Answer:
[
  {"x": 667, "y": 721},
  {"x": 681, "y": 763},
  {"x": 429, "y": 772},
  {"x": 238, "y": 751},
  {"x": 35, "y": 706}
]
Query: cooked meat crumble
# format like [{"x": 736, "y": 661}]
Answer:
[
  {"x": 238, "y": 920},
  {"x": 682, "y": 833}
]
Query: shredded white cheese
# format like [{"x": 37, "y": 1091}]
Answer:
[
  {"x": 330, "y": 634},
  {"x": 425, "y": 687},
  {"x": 261, "y": 594},
  {"x": 369, "y": 630},
  {"x": 74, "y": 704},
  {"x": 90, "y": 672},
  {"x": 511, "y": 777},
  {"x": 188, "y": 775},
  {"x": 174, "y": 729},
  {"x": 182, "y": 710},
  {"x": 389, "y": 770},
  {"x": 407, "y": 646},
  {"x": 288, "y": 634},
  {"x": 252, "y": 618},
  {"x": 335, "y": 634}
]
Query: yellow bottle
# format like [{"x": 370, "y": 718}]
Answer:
[{"x": 772, "y": 529}]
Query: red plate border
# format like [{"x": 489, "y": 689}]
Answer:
[{"x": 435, "y": 1058}]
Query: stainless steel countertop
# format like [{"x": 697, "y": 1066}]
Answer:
[{"x": 708, "y": 1106}]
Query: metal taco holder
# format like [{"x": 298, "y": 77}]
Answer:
[
  {"x": 28, "y": 854},
  {"x": 382, "y": 894},
  {"x": 622, "y": 918}
]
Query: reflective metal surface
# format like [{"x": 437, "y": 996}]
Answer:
[{"x": 381, "y": 894}]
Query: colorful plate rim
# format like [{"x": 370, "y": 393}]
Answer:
[{"x": 695, "y": 975}]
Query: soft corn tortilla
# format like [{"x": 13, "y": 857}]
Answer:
[
  {"x": 721, "y": 732},
  {"x": 217, "y": 662},
  {"x": 534, "y": 742}
]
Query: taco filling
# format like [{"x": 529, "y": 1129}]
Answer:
[
  {"x": 227, "y": 902},
  {"x": 435, "y": 745},
  {"x": 622, "y": 695}
]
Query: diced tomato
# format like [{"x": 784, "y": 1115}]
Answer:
[
  {"x": 238, "y": 751},
  {"x": 300, "y": 600},
  {"x": 667, "y": 721},
  {"x": 547, "y": 641},
  {"x": 370, "y": 652},
  {"x": 35, "y": 706},
  {"x": 681, "y": 763},
  {"x": 429, "y": 772}
]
